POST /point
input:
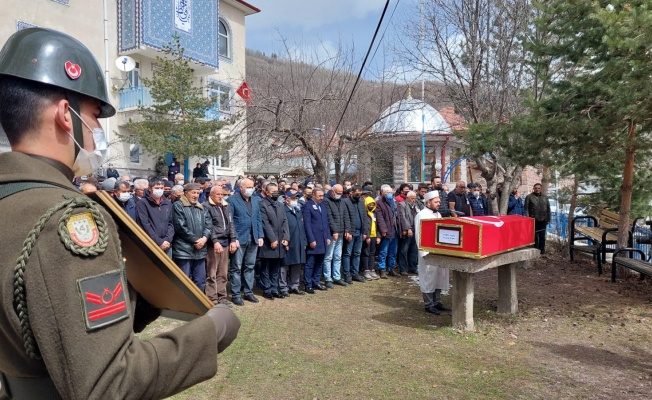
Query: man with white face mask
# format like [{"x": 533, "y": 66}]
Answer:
[
  {"x": 154, "y": 215},
  {"x": 125, "y": 198},
  {"x": 74, "y": 337},
  {"x": 475, "y": 200}
]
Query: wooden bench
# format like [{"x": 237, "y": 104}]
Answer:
[
  {"x": 640, "y": 266},
  {"x": 604, "y": 232}
]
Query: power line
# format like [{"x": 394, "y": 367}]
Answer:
[
  {"x": 371, "y": 45},
  {"x": 385, "y": 31}
]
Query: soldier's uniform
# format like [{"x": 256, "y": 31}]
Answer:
[{"x": 72, "y": 333}]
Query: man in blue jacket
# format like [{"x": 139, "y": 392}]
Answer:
[
  {"x": 124, "y": 198},
  {"x": 515, "y": 205},
  {"x": 315, "y": 220},
  {"x": 154, "y": 215},
  {"x": 249, "y": 229}
]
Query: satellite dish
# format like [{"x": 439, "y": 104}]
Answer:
[{"x": 125, "y": 63}]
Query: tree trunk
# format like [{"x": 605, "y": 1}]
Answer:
[
  {"x": 319, "y": 169},
  {"x": 545, "y": 180},
  {"x": 573, "y": 204},
  {"x": 626, "y": 188}
]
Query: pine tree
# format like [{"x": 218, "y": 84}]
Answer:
[
  {"x": 598, "y": 102},
  {"x": 176, "y": 123}
]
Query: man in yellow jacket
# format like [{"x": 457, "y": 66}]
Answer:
[{"x": 368, "y": 258}]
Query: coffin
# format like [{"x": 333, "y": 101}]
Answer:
[{"x": 476, "y": 237}]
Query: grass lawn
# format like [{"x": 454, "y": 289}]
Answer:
[{"x": 576, "y": 335}]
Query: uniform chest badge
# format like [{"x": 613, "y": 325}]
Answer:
[
  {"x": 83, "y": 230},
  {"x": 314, "y": 206}
]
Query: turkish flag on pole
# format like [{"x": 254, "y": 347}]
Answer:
[{"x": 244, "y": 92}]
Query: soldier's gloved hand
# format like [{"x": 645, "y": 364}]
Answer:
[{"x": 226, "y": 325}]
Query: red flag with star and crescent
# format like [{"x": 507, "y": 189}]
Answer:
[{"x": 244, "y": 92}]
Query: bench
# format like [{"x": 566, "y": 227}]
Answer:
[
  {"x": 640, "y": 266},
  {"x": 604, "y": 232}
]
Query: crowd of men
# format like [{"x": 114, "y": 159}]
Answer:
[{"x": 296, "y": 238}]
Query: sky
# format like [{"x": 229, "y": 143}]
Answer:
[{"x": 318, "y": 26}]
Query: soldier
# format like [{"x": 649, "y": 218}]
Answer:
[{"x": 68, "y": 315}]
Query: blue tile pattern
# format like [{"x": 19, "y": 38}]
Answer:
[
  {"x": 127, "y": 25},
  {"x": 20, "y": 25},
  {"x": 64, "y": 2}
]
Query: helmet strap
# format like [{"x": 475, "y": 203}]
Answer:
[{"x": 73, "y": 101}]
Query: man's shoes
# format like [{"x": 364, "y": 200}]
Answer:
[
  {"x": 367, "y": 275},
  {"x": 359, "y": 278},
  {"x": 297, "y": 291},
  {"x": 392, "y": 272},
  {"x": 432, "y": 310},
  {"x": 268, "y": 296},
  {"x": 340, "y": 282},
  {"x": 329, "y": 285},
  {"x": 251, "y": 298},
  {"x": 278, "y": 295},
  {"x": 285, "y": 294},
  {"x": 348, "y": 280},
  {"x": 383, "y": 274},
  {"x": 309, "y": 290},
  {"x": 226, "y": 303},
  {"x": 322, "y": 287},
  {"x": 374, "y": 275},
  {"x": 404, "y": 273},
  {"x": 441, "y": 307},
  {"x": 237, "y": 301}
]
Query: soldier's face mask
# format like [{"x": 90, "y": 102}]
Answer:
[{"x": 87, "y": 162}]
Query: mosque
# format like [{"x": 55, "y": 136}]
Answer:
[{"x": 393, "y": 153}]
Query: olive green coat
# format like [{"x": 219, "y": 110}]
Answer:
[{"x": 109, "y": 362}]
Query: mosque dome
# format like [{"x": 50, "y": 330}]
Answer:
[{"x": 408, "y": 116}]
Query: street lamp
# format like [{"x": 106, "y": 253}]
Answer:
[{"x": 438, "y": 168}]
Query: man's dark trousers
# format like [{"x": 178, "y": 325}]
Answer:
[
  {"x": 195, "y": 270},
  {"x": 408, "y": 254},
  {"x": 312, "y": 271},
  {"x": 540, "y": 228},
  {"x": 269, "y": 275},
  {"x": 351, "y": 256}
]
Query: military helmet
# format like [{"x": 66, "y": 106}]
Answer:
[{"x": 54, "y": 58}]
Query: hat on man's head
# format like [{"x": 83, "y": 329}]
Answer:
[
  {"x": 367, "y": 190},
  {"x": 168, "y": 184},
  {"x": 430, "y": 195},
  {"x": 191, "y": 186},
  {"x": 307, "y": 181},
  {"x": 109, "y": 184},
  {"x": 291, "y": 193}
]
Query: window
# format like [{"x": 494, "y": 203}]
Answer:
[
  {"x": 134, "y": 76},
  {"x": 222, "y": 95},
  {"x": 223, "y": 160},
  {"x": 456, "y": 173},
  {"x": 414, "y": 163},
  {"x": 223, "y": 43},
  {"x": 134, "y": 150}
]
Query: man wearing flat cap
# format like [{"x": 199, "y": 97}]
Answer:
[
  {"x": 432, "y": 280},
  {"x": 192, "y": 228}
]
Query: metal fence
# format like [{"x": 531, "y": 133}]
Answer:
[{"x": 559, "y": 227}]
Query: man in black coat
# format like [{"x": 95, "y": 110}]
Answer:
[
  {"x": 154, "y": 215},
  {"x": 360, "y": 227},
  {"x": 222, "y": 242},
  {"x": 340, "y": 225},
  {"x": 295, "y": 257},
  {"x": 275, "y": 241}
]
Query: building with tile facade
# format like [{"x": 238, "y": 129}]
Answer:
[{"x": 211, "y": 31}]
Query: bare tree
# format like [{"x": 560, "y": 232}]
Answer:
[
  {"x": 475, "y": 48},
  {"x": 298, "y": 100}
]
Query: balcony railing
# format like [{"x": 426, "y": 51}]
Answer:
[{"x": 134, "y": 97}]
